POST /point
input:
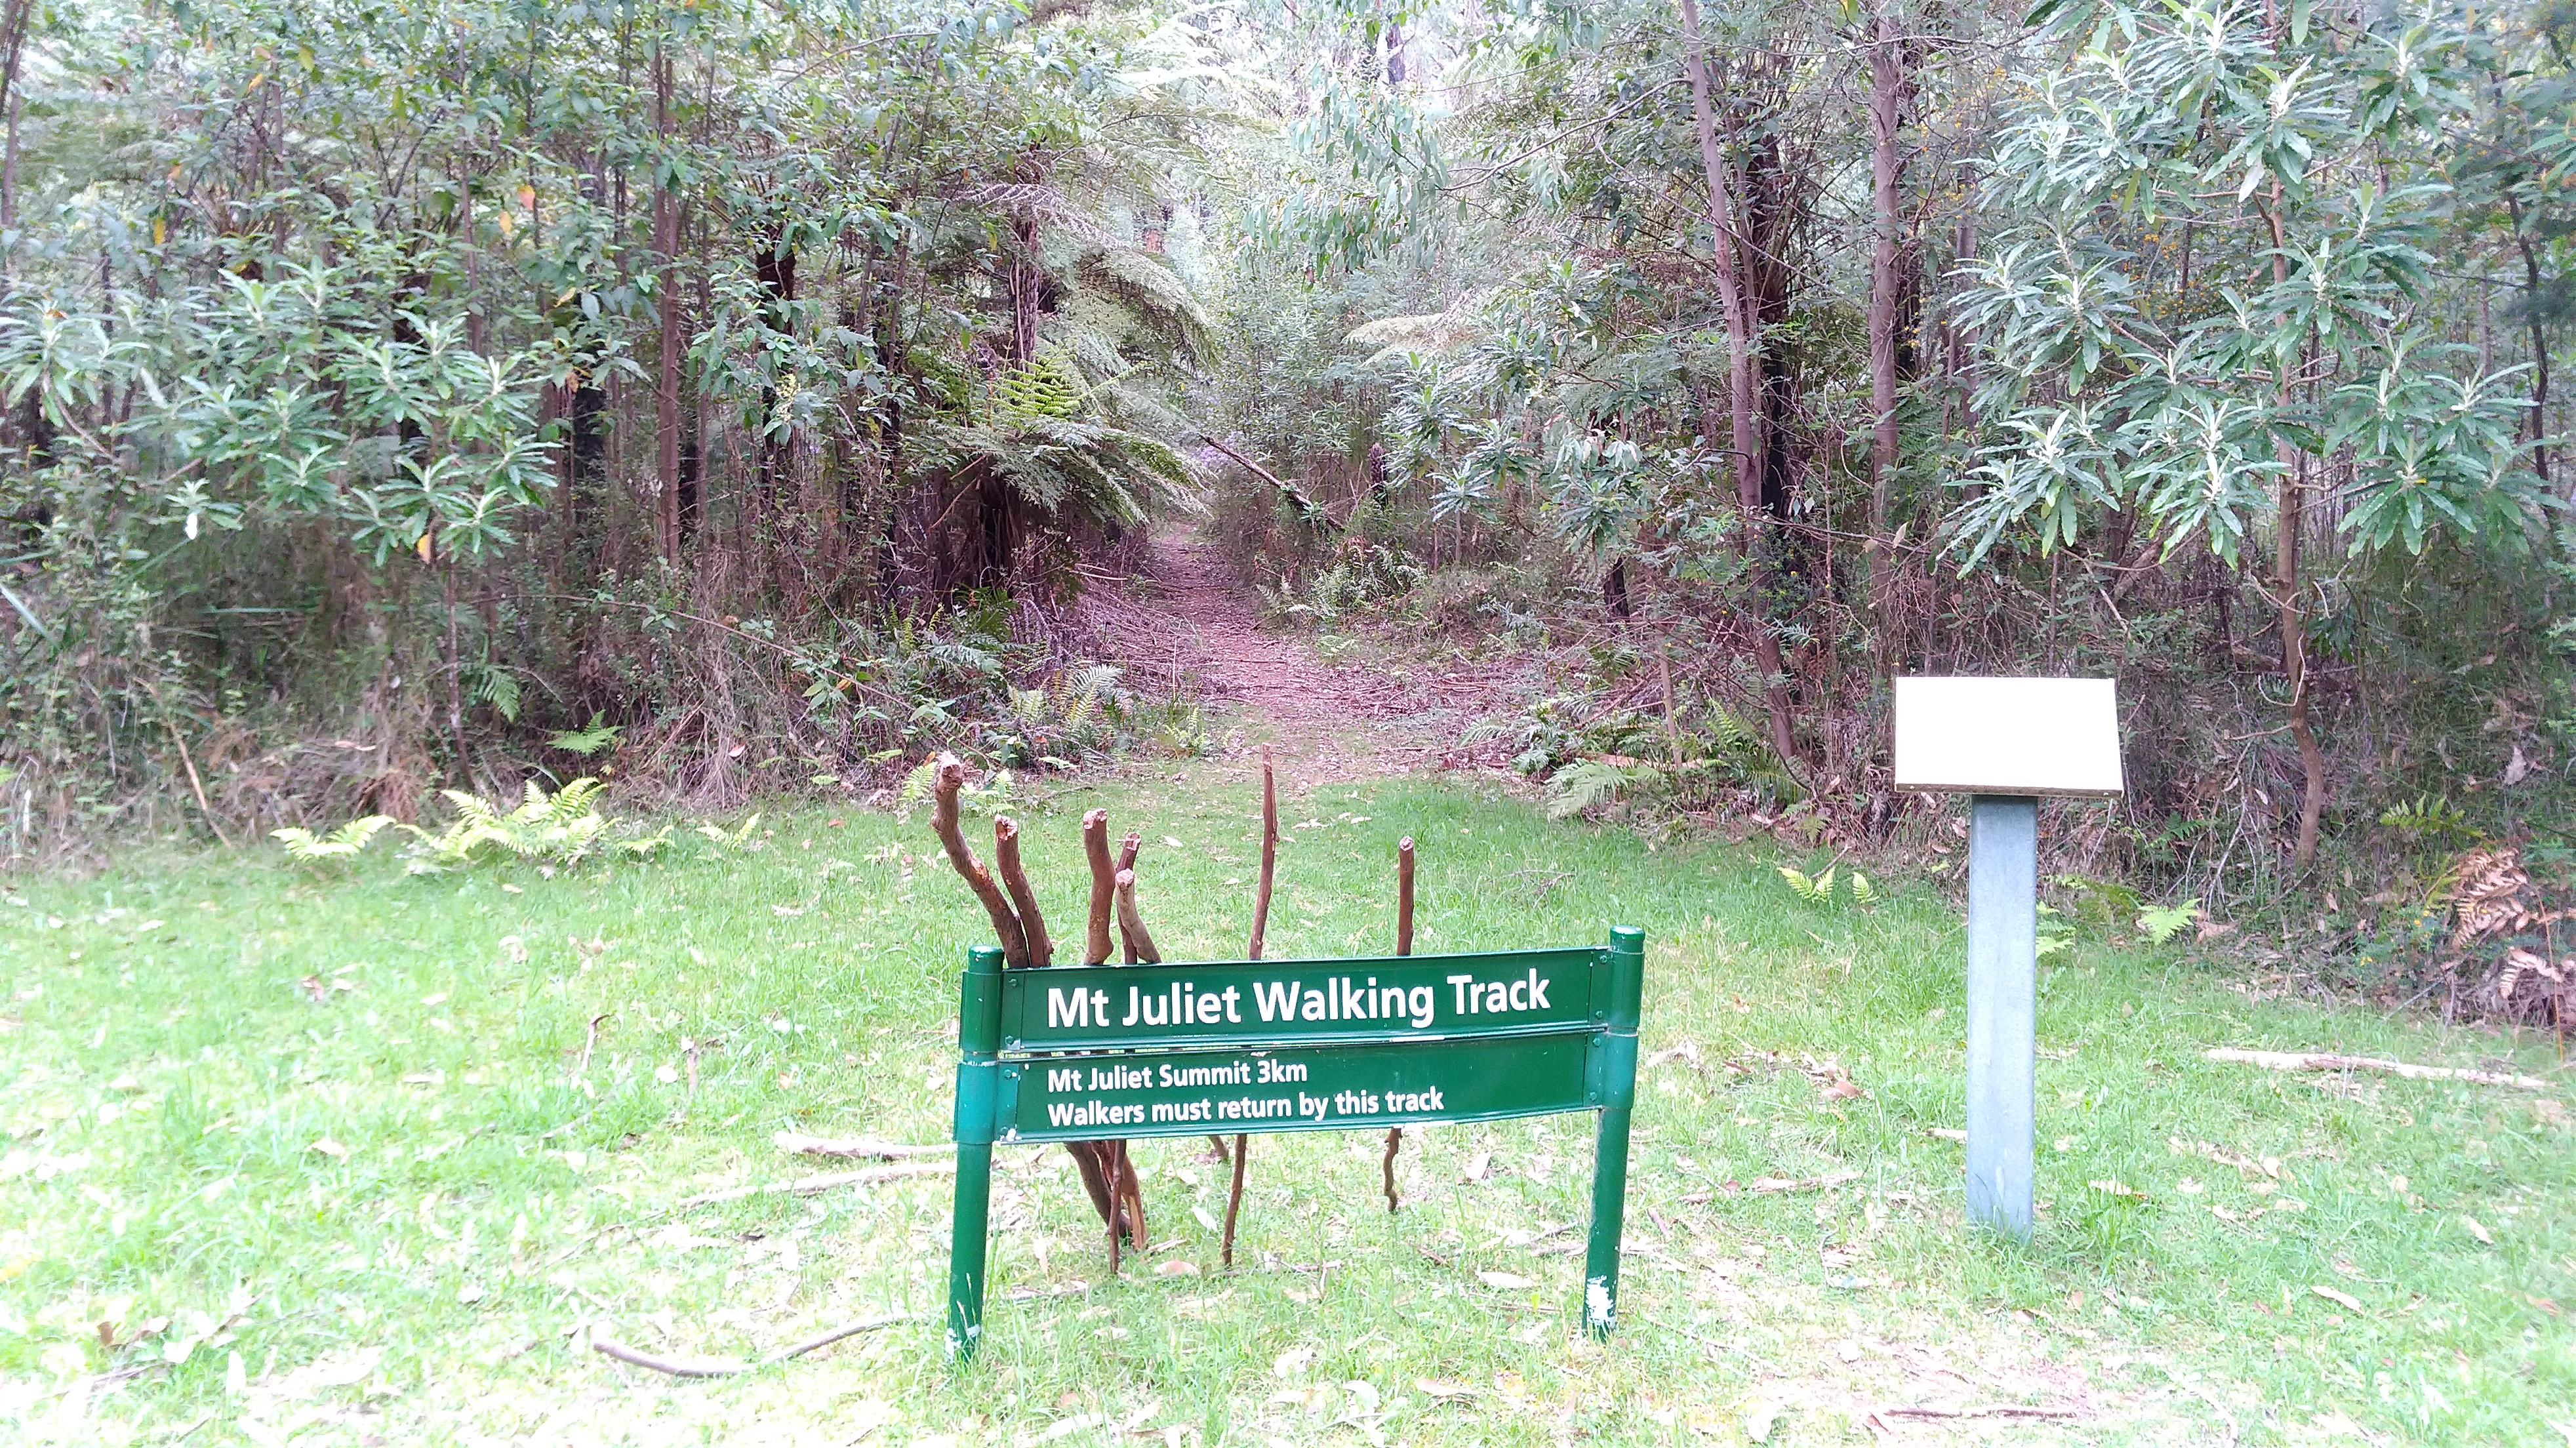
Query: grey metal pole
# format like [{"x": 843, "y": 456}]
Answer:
[{"x": 2003, "y": 1001}]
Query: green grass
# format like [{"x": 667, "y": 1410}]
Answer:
[{"x": 381, "y": 1146}]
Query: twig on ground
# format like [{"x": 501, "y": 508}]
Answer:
[
  {"x": 945, "y": 783},
  {"x": 1991, "y": 1410},
  {"x": 808, "y": 1186},
  {"x": 728, "y": 1367},
  {"x": 1024, "y": 899},
  {"x": 1801, "y": 1184},
  {"x": 589, "y": 1038},
  {"x": 857, "y": 1148},
  {"x": 2326, "y": 1061}
]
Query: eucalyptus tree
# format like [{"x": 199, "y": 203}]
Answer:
[
  {"x": 2215, "y": 309},
  {"x": 333, "y": 311}
]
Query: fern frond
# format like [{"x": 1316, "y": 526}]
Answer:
[{"x": 1587, "y": 783}]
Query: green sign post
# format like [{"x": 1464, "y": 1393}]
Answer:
[{"x": 1087, "y": 1053}]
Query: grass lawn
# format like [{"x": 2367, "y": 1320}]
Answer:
[{"x": 355, "y": 1157}]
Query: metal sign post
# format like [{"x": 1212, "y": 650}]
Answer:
[
  {"x": 2005, "y": 743},
  {"x": 2003, "y": 1007},
  {"x": 1082, "y": 1053}
]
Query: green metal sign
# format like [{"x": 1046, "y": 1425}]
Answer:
[
  {"x": 1257, "y": 1002},
  {"x": 1093, "y": 1053}
]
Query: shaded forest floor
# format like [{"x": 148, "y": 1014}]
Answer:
[
  {"x": 348, "y": 1156},
  {"x": 1196, "y": 630}
]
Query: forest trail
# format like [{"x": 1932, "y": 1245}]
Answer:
[{"x": 1199, "y": 633}]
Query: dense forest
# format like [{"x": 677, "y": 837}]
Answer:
[{"x": 726, "y": 398}]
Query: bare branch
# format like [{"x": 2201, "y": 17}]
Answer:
[
  {"x": 1095, "y": 1181},
  {"x": 1024, "y": 899},
  {"x": 1404, "y": 896},
  {"x": 1104, "y": 885},
  {"x": 1234, "y": 1197},
  {"x": 950, "y": 778},
  {"x": 1269, "y": 859},
  {"x": 1403, "y": 946},
  {"x": 1131, "y": 925}
]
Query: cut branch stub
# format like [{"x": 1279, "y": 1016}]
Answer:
[
  {"x": 1131, "y": 925},
  {"x": 1404, "y": 896},
  {"x": 1127, "y": 849},
  {"x": 1252, "y": 951},
  {"x": 949, "y": 778},
  {"x": 1104, "y": 885},
  {"x": 1403, "y": 946},
  {"x": 1269, "y": 858},
  {"x": 1024, "y": 899},
  {"x": 1234, "y": 1196}
]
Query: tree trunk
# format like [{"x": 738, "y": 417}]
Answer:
[
  {"x": 2287, "y": 507},
  {"x": 1745, "y": 430},
  {"x": 2531, "y": 312},
  {"x": 666, "y": 300},
  {"x": 1886, "y": 96}
]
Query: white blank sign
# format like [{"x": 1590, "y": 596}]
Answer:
[{"x": 2008, "y": 736}]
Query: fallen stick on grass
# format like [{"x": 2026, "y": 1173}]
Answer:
[
  {"x": 855, "y": 1148},
  {"x": 2323, "y": 1061},
  {"x": 1994, "y": 1410},
  {"x": 727, "y": 1367},
  {"x": 808, "y": 1186},
  {"x": 1801, "y": 1184}
]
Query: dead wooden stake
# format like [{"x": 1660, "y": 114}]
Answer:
[
  {"x": 1127, "y": 1195},
  {"x": 946, "y": 781},
  {"x": 1104, "y": 885},
  {"x": 1131, "y": 925},
  {"x": 1024, "y": 900},
  {"x": 1127, "y": 849},
  {"x": 1234, "y": 1198},
  {"x": 1404, "y": 896},
  {"x": 1134, "y": 1199},
  {"x": 1098, "y": 1159},
  {"x": 1403, "y": 946},
  {"x": 1022, "y": 946},
  {"x": 1252, "y": 951},
  {"x": 1117, "y": 1196},
  {"x": 1095, "y": 1181},
  {"x": 1269, "y": 858}
]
